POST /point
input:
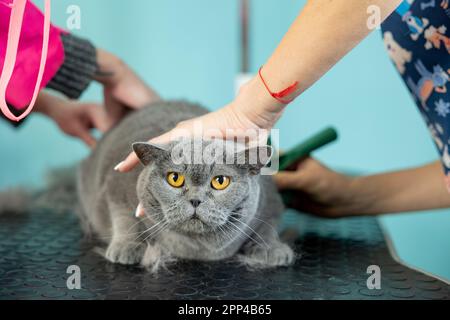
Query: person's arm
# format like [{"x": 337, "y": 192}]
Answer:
[
  {"x": 319, "y": 190},
  {"x": 123, "y": 89},
  {"x": 323, "y": 33},
  {"x": 416, "y": 189},
  {"x": 72, "y": 63},
  {"x": 320, "y": 36}
]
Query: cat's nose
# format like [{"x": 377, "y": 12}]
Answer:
[{"x": 195, "y": 203}]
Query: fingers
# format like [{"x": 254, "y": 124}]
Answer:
[
  {"x": 132, "y": 160},
  {"x": 79, "y": 128},
  {"x": 87, "y": 138},
  {"x": 288, "y": 180},
  {"x": 128, "y": 164},
  {"x": 90, "y": 116},
  {"x": 97, "y": 117},
  {"x": 166, "y": 137},
  {"x": 292, "y": 179},
  {"x": 306, "y": 172},
  {"x": 115, "y": 111}
]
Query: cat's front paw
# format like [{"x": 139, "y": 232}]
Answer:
[
  {"x": 275, "y": 255},
  {"x": 125, "y": 252}
]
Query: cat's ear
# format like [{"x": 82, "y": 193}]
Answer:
[
  {"x": 148, "y": 152},
  {"x": 254, "y": 158}
]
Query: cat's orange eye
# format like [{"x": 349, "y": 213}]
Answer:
[
  {"x": 220, "y": 182},
  {"x": 175, "y": 179}
]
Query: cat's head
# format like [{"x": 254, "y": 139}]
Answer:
[{"x": 200, "y": 186}]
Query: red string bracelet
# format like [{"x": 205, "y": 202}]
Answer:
[{"x": 283, "y": 93}]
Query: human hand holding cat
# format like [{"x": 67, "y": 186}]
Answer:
[
  {"x": 123, "y": 89},
  {"x": 74, "y": 118}
]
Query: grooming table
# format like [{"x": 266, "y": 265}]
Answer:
[{"x": 36, "y": 249}]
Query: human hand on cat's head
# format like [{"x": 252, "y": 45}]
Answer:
[
  {"x": 225, "y": 123},
  {"x": 249, "y": 117}
]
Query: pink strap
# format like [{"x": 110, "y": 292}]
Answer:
[{"x": 15, "y": 28}]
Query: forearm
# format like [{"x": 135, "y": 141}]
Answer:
[
  {"x": 122, "y": 82},
  {"x": 45, "y": 102},
  {"x": 416, "y": 189},
  {"x": 320, "y": 36},
  {"x": 109, "y": 67}
]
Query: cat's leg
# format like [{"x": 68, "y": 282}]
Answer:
[
  {"x": 266, "y": 250},
  {"x": 156, "y": 257},
  {"x": 126, "y": 245},
  {"x": 167, "y": 248}
]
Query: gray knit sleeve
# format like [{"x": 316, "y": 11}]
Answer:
[{"x": 78, "y": 69}]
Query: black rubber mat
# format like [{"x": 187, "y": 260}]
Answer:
[{"x": 36, "y": 250}]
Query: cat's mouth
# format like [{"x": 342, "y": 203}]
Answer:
[
  {"x": 195, "y": 225},
  {"x": 195, "y": 217}
]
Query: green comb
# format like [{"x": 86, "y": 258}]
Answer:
[{"x": 303, "y": 149}]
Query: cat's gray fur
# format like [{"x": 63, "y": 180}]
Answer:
[{"x": 109, "y": 200}]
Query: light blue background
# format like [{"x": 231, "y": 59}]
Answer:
[{"x": 190, "y": 49}]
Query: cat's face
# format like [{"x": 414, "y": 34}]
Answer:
[{"x": 200, "y": 195}]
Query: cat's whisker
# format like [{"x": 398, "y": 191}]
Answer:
[
  {"x": 228, "y": 237},
  {"x": 261, "y": 220},
  {"x": 266, "y": 223},
  {"x": 162, "y": 225},
  {"x": 254, "y": 231},
  {"x": 157, "y": 232},
  {"x": 229, "y": 232},
  {"x": 140, "y": 234},
  {"x": 223, "y": 234},
  {"x": 135, "y": 224},
  {"x": 127, "y": 233},
  {"x": 142, "y": 220},
  {"x": 244, "y": 233},
  {"x": 155, "y": 226}
]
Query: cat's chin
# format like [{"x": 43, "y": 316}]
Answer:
[{"x": 194, "y": 227}]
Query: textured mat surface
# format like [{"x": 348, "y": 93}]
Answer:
[{"x": 36, "y": 250}]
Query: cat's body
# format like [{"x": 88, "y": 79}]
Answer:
[{"x": 200, "y": 229}]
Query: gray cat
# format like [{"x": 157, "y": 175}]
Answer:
[{"x": 207, "y": 211}]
